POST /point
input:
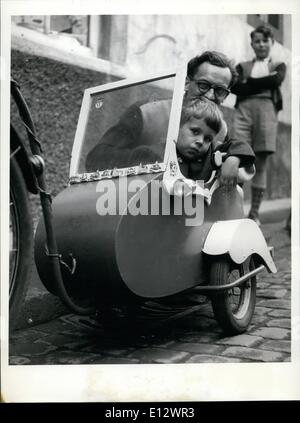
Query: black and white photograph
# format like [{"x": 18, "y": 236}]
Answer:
[{"x": 149, "y": 278}]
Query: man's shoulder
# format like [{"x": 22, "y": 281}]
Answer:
[
  {"x": 144, "y": 106},
  {"x": 159, "y": 106},
  {"x": 246, "y": 62}
]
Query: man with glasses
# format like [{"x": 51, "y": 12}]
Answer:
[{"x": 209, "y": 76}]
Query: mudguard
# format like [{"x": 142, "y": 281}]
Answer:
[{"x": 239, "y": 238}]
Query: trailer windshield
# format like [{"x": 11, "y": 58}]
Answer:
[{"x": 123, "y": 126}]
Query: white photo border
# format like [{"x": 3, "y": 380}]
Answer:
[{"x": 179, "y": 382}]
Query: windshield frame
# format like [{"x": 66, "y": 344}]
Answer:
[{"x": 174, "y": 119}]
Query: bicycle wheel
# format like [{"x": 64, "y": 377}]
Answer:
[{"x": 20, "y": 242}]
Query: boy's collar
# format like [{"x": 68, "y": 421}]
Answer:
[
  {"x": 267, "y": 59},
  {"x": 183, "y": 160}
]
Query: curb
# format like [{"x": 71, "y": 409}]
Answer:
[
  {"x": 40, "y": 306},
  {"x": 39, "y": 309},
  {"x": 272, "y": 211}
]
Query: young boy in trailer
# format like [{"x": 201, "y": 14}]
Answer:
[
  {"x": 258, "y": 102},
  {"x": 201, "y": 122},
  {"x": 203, "y": 132}
]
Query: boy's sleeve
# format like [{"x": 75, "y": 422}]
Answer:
[{"x": 240, "y": 149}]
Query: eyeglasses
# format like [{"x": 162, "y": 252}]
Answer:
[{"x": 205, "y": 86}]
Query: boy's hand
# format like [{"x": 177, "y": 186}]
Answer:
[{"x": 229, "y": 172}]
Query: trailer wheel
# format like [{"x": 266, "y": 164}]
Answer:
[{"x": 234, "y": 308}]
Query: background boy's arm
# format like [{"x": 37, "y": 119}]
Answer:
[
  {"x": 271, "y": 81},
  {"x": 251, "y": 86},
  {"x": 241, "y": 87}
]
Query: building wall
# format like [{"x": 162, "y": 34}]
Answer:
[
  {"x": 155, "y": 43},
  {"x": 137, "y": 45}
]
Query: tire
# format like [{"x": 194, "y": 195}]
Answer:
[
  {"x": 20, "y": 242},
  {"x": 234, "y": 308}
]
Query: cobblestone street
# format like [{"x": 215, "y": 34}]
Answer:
[{"x": 194, "y": 338}]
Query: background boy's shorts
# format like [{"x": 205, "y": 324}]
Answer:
[{"x": 256, "y": 122}]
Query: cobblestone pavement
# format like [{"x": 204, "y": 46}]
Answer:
[{"x": 194, "y": 338}]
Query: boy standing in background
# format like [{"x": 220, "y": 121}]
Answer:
[{"x": 258, "y": 102}]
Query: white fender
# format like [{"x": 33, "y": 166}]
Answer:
[{"x": 239, "y": 238}]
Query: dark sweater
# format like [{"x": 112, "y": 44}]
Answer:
[{"x": 247, "y": 86}]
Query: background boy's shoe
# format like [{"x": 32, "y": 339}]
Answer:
[
  {"x": 289, "y": 224},
  {"x": 256, "y": 198}
]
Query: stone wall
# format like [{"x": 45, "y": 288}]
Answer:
[{"x": 54, "y": 91}]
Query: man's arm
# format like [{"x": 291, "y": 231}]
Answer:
[{"x": 116, "y": 140}]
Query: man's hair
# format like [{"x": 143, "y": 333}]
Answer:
[
  {"x": 202, "y": 108},
  {"x": 263, "y": 29},
  {"x": 214, "y": 58}
]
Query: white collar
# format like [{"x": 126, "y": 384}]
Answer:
[{"x": 266, "y": 60}]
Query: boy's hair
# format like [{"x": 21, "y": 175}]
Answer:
[
  {"x": 202, "y": 108},
  {"x": 214, "y": 58},
  {"x": 263, "y": 29}
]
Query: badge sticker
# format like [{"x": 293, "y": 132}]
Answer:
[
  {"x": 131, "y": 171},
  {"x": 142, "y": 169},
  {"x": 173, "y": 168},
  {"x": 155, "y": 167},
  {"x": 99, "y": 103},
  {"x": 106, "y": 173}
]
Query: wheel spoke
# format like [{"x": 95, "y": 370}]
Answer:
[
  {"x": 233, "y": 308},
  {"x": 238, "y": 296},
  {"x": 243, "y": 295},
  {"x": 14, "y": 247}
]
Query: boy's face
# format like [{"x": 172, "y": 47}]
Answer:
[
  {"x": 261, "y": 45},
  {"x": 194, "y": 139}
]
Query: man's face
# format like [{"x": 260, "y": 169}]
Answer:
[
  {"x": 194, "y": 139},
  {"x": 261, "y": 45},
  {"x": 211, "y": 74}
]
